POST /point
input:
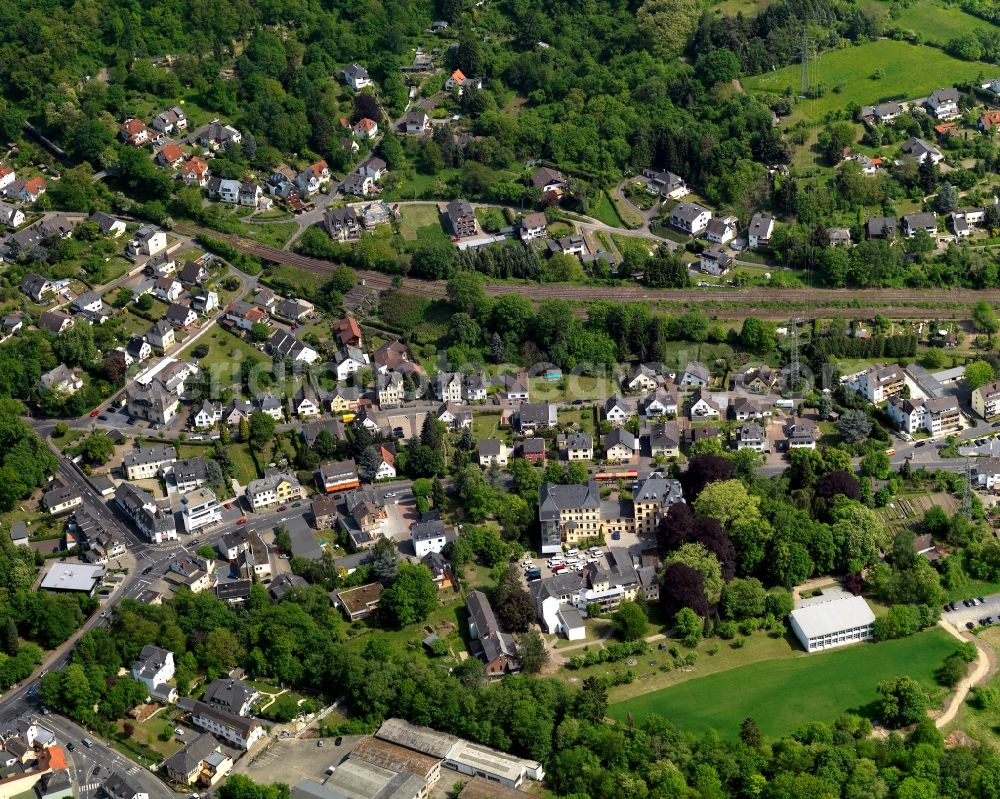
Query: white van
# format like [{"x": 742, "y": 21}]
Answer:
[{"x": 573, "y": 551}]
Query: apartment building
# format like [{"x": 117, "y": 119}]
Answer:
[
  {"x": 878, "y": 383},
  {"x": 986, "y": 400},
  {"x": 147, "y": 462}
]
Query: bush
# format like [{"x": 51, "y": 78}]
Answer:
[
  {"x": 739, "y": 643},
  {"x": 952, "y": 670},
  {"x": 727, "y": 630},
  {"x": 984, "y": 698}
]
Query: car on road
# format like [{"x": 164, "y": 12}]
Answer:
[
  {"x": 130, "y": 421},
  {"x": 87, "y": 742},
  {"x": 283, "y": 556},
  {"x": 297, "y": 505},
  {"x": 980, "y": 442},
  {"x": 94, "y": 412},
  {"x": 982, "y": 600},
  {"x": 970, "y": 626},
  {"x": 228, "y": 506},
  {"x": 282, "y": 507},
  {"x": 46, "y": 711},
  {"x": 920, "y": 444},
  {"x": 32, "y": 690},
  {"x": 390, "y": 494},
  {"x": 71, "y": 746},
  {"x": 147, "y": 570},
  {"x": 97, "y": 770},
  {"x": 339, "y": 741},
  {"x": 241, "y": 521}
]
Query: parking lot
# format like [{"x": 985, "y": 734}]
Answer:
[
  {"x": 964, "y": 615},
  {"x": 291, "y": 760}
]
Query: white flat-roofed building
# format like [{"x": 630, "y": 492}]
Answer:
[
  {"x": 837, "y": 622},
  {"x": 73, "y": 577},
  {"x": 200, "y": 508}
]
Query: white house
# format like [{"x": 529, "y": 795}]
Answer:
[
  {"x": 722, "y": 229},
  {"x": 761, "y": 228},
  {"x": 703, "y": 406},
  {"x": 690, "y": 217},
  {"x": 427, "y": 537},
  {"x": 11, "y": 215},
  {"x": 167, "y": 290},
  {"x": 616, "y": 411},
  {"x": 356, "y": 76},
  {"x": 208, "y": 414},
  {"x": 493, "y": 452},
  {"x": 943, "y": 103},
  {"x": 148, "y": 240},
  {"x": 154, "y": 666}
]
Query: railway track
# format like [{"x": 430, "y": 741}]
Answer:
[{"x": 901, "y": 303}]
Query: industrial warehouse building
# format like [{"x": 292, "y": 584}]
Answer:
[{"x": 824, "y": 623}]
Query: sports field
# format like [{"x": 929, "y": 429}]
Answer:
[
  {"x": 910, "y": 71},
  {"x": 783, "y": 694}
]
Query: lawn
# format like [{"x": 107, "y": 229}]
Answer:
[
  {"x": 272, "y": 234},
  {"x": 603, "y": 210},
  {"x": 225, "y": 354},
  {"x": 238, "y": 454},
  {"x": 414, "y": 217},
  {"x": 487, "y": 425},
  {"x": 933, "y": 21},
  {"x": 572, "y": 387},
  {"x": 783, "y": 694},
  {"x": 298, "y": 277},
  {"x": 910, "y": 71}
]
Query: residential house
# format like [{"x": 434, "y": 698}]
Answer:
[
  {"x": 293, "y": 309},
  {"x": 758, "y": 379},
  {"x": 495, "y": 648},
  {"x": 216, "y": 136},
  {"x": 989, "y": 121},
  {"x": 173, "y": 120},
  {"x": 715, "y": 262},
  {"x": 533, "y": 449},
  {"x": 643, "y": 378},
  {"x": 27, "y": 191},
  {"x": 838, "y": 236},
  {"x": 690, "y": 218},
  {"x": 161, "y": 335},
  {"x": 170, "y": 156},
  {"x": 344, "y": 399},
  {"x": 189, "y": 474},
  {"x": 356, "y": 76},
  {"x": 668, "y": 185},
  {"x": 881, "y": 227},
  {"x": 578, "y": 446},
  {"x": 722, "y": 230},
  {"x": 943, "y": 103},
  {"x": 664, "y": 440},
  {"x": 448, "y": 387},
  {"x": 238, "y": 731},
  {"x": 366, "y": 128},
  {"x": 284, "y": 345},
  {"x": 702, "y": 406},
  {"x": 533, "y": 226},
  {"x": 313, "y": 178},
  {"x": 59, "y": 498},
  {"x": 154, "y": 667},
  {"x": 374, "y": 168},
  {"x": 475, "y": 388},
  {"x": 134, "y": 132},
  {"x": 617, "y": 411},
  {"x": 306, "y": 402},
  {"x": 694, "y": 376},
  {"x": 358, "y": 603},
  {"x": 549, "y": 180},
  {"x": 537, "y": 416},
  {"x": 193, "y": 273},
  {"x": 161, "y": 265},
  {"x": 182, "y": 316},
  {"x": 276, "y": 487},
  {"x": 986, "y": 400},
  {"x": 744, "y": 408},
  {"x": 150, "y": 402},
  {"x": 252, "y": 195},
  {"x": 61, "y": 380},
  {"x": 887, "y": 113},
  {"x": 759, "y": 233},
  {"x": 801, "y": 434},
  {"x": 751, "y": 435},
  {"x": 926, "y": 220},
  {"x": 386, "y": 469},
  {"x": 167, "y": 290},
  {"x": 357, "y": 185},
  {"x": 348, "y": 332},
  {"x": 145, "y": 463},
  {"x": 55, "y": 321},
  {"x": 232, "y": 696},
  {"x": 7, "y": 177},
  {"x": 454, "y": 416},
  {"x": 349, "y": 360},
  {"x": 36, "y": 286},
  {"x": 920, "y": 150},
  {"x": 11, "y": 215},
  {"x": 148, "y": 240},
  {"x": 461, "y": 218},
  {"x": 493, "y": 452},
  {"x": 107, "y": 225},
  {"x": 195, "y": 172},
  {"x": 878, "y": 383},
  {"x": 244, "y": 315},
  {"x": 138, "y": 350},
  {"x": 389, "y": 386},
  {"x": 428, "y": 536},
  {"x": 271, "y": 406},
  {"x": 620, "y": 446},
  {"x": 659, "y": 403},
  {"x": 573, "y": 244},
  {"x": 460, "y": 82},
  {"x": 416, "y": 122}
]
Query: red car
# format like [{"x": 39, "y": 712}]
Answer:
[
  {"x": 282, "y": 507},
  {"x": 241, "y": 521},
  {"x": 228, "y": 505},
  {"x": 95, "y": 411}
]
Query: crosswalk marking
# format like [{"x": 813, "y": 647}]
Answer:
[{"x": 90, "y": 786}]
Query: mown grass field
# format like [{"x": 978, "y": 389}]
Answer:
[
  {"x": 935, "y": 22},
  {"x": 783, "y": 694},
  {"x": 415, "y": 217},
  {"x": 910, "y": 71}
]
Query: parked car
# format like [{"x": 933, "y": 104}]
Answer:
[
  {"x": 970, "y": 626},
  {"x": 241, "y": 521},
  {"x": 338, "y": 741},
  {"x": 320, "y": 743}
]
